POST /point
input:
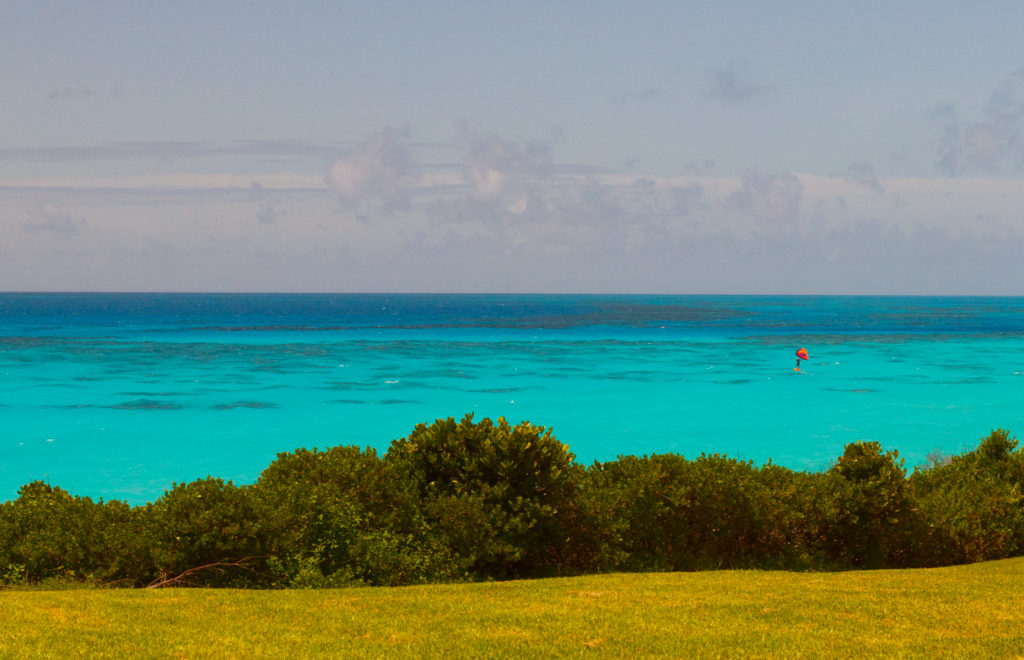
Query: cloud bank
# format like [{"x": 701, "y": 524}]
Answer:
[
  {"x": 384, "y": 213},
  {"x": 992, "y": 143}
]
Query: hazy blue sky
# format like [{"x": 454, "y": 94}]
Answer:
[{"x": 691, "y": 147}]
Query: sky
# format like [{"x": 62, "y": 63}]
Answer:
[{"x": 568, "y": 147}]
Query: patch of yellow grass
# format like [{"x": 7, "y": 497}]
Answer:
[{"x": 969, "y": 612}]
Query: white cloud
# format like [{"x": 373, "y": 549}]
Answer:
[
  {"x": 864, "y": 174},
  {"x": 176, "y": 152},
  {"x": 46, "y": 218},
  {"x": 734, "y": 84},
  {"x": 770, "y": 198},
  {"x": 504, "y": 216},
  {"x": 507, "y": 173},
  {"x": 380, "y": 168},
  {"x": 993, "y": 143},
  {"x": 169, "y": 182},
  {"x": 269, "y": 208}
]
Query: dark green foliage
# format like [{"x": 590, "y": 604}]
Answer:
[
  {"x": 393, "y": 558},
  {"x": 866, "y": 511},
  {"x": 975, "y": 502},
  {"x": 313, "y": 505},
  {"x": 489, "y": 500},
  {"x": 635, "y": 506},
  {"x": 499, "y": 497},
  {"x": 664, "y": 512},
  {"x": 339, "y": 517},
  {"x": 205, "y": 522},
  {"x": 728, "y": 514},
  {"x": 46, "y": 533}
]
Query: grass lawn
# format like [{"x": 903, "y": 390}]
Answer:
[{"x": 967, "y": 611}]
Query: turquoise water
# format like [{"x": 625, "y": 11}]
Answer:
[{"x": 119, "y": 395}]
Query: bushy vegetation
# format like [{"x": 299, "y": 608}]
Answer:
[{"x": 486, "y": 500}]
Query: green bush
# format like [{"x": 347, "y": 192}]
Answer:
[
  {"x": 869, "y": 518},
  {"x": 48, "y": 533},
  {"x": 384, "y": 557},
  {"x": 340, "y": 517},
  {"x": 499, "y": 497},
  {"x": 664, "y": 512},
  {"x": 975, "y": 501},
  {"x": 488, "y": 500},
  {"x": 205, "y": 523},
  {"x": 313, "y": 505}
]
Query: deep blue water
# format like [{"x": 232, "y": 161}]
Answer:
[{"x": 119, "y": 395}]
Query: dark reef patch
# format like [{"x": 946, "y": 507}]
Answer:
[{"x": 146, "y": 404}]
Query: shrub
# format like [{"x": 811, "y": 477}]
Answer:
[
  {"x": 48, "y": 533},
  {"x": 500, "y": 498},
  {"x": 312, "y": 505},
  {"x": 457, "y": 500},
  {"x": 203, "y": 523},
  {"x": 869, "y": 518},
  {"x": 338, "y": 517},
  {"x": 975, "y": 501},
  {"x": 664, "y": 512}
]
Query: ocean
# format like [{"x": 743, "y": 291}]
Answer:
[{"x": 118, "y": 396}]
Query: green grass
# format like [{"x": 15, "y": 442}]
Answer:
[{"x": 967, "y": 611}]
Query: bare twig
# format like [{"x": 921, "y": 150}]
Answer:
[{"x": 217, "y": 566}]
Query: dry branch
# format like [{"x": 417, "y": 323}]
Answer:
[{"x": 181, "y": 580}]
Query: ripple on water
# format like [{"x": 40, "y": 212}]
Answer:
[{"x": 254, "y": 405}]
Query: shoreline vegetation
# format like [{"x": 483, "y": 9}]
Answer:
[{"x": 467, "y": 501}]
